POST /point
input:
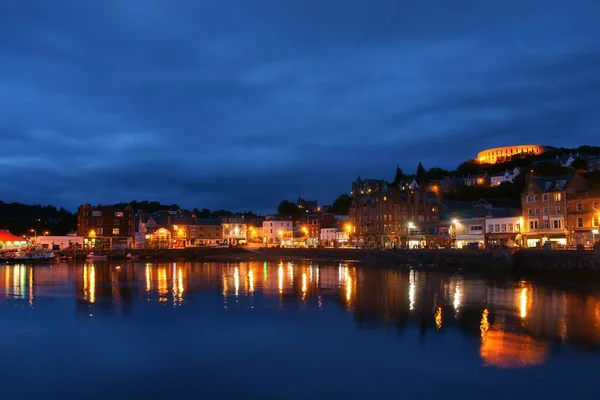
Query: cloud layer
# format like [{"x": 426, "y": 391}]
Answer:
[{"x": 239, "y": 104}]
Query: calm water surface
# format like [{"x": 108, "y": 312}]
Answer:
[{"x": 268, "y": 330}]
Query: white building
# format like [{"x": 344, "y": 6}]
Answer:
[
  {"x": 469, "y": 231},
  {"x": 504, "y": 225},
  {"x": 277, "y": 230},
  {"x": 506, "y": 176},
  {"x": 58, "y": 242},
  {"x": 328, "y": 236},
  {"x": 505, "y": 231},
  {"x": 235, "y": 230}
]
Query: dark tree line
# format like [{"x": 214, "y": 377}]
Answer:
[{"x": 20, "y": 219}]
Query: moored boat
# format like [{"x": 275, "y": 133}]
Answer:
[
  {"x": 95, "y": 257},
  {"x": 29, "y": 257}
]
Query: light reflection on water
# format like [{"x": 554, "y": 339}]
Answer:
[{"x": 514, "y": 324}]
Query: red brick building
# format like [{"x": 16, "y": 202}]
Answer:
[
  {"x": 105, "y": 226},
  {"x": 388, "y": 215}
]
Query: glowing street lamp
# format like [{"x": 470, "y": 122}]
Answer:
[
  {"x": 92, "y": 233},
  {"x": 34, "y": 232}
]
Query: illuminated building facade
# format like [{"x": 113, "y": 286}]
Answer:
[
  {"x": 583, "y": 218},
  {"x": 277, "y": 231},
  {"x": 234, "y": 230},
  {"x": 192, "y": 231},
  {"x": 392, "y": 215},
  {"x": 106, "y": 226},
  {"x": 500, "y": 154},
  {"x": 545, "y": 211}
]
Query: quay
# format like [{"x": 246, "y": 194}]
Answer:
[{"x": 531, "y": 261}]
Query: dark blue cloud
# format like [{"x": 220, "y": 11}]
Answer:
[{"x": 239, "y": 104}]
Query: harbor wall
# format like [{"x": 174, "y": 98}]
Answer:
[{"x": 586, "y": 262}]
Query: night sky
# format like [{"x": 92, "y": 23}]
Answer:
[{"x": 240, "y": 104}]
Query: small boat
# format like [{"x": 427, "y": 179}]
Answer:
[
  {"x": 131, "y": 257},
  {"x": 95, "y": 257},
  {"x": 30, "y": 257}
]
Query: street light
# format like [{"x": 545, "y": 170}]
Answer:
[
  {"x": 34, "y": 232},
  {"x": 46, "y": 233}
]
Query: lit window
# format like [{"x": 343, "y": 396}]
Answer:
[{"x": 115, "y": 231}]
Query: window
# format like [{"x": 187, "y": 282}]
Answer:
[
  {"x": 96, "y": 213},
  {"x": 537, "y": 212},
  {"x": 100, "y": 222},
  {"x": 528, "y": 199},
  {"x": 547, "y": 185},
  {"x": 557, "y": 209},
  {"x": 491, "y": 228},
  {"x": 510, "y": 227},
  {"x": 580, "y": 222},
  {"x": 545, "y": 210},
  {"x": 546, "y": 224},
  {"x": 116, "y": 222},
  {"x": 503, "y": 227},
  {"x": 557, "y": 196},
  {"x": 535, "y": 198},
  {"x": 579, "y": 207},
  {"x": 193, "y": 234},
  {"x": 475, "y": 228},
  {"x": 115, "y": 231},
  {"x": 100, "y": 231},
  {"x": 557, "y": 224},
  {"x": 595, "y": 222},
  {"x": 595, "y": 205},
  {"x": 545, "y": 197},
  {"x": 119, "y": 214},
  {"x": 560, "y": 184},
  {"x": 530, "y": 212},
  {"x": 497, "y": 227},
  {"x": 533, "y": 224},
  {"x": 193, "y": 228}
]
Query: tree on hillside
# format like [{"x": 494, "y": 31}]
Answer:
[
  {"x": 398, "y": 176},
  {"x": 289, "y": 209},
  {"x": 469, "y": 167},
  {"x": 580, "y": 164},
  {"x": 421, "y": 173},
  {"x": 551, "y": 169},
  {"x": 204, "y": 213},
  {"x": 341, "y": 205},
  {"x": 437, "y": 173},
  {"x": 221, "y": 213},
  {"x": 20, "y": 219}
]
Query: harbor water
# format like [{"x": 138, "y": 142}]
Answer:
[{"x": 292, "y": 330}]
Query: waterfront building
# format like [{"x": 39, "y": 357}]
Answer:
[
  {"x": 504, "y": 231},
  {"x": 328, "y": 235},
  {"x": 106, "y": 226},
  {"x": 583, "y": 218},
  {"x": 312, "y": 224},
  {"x": 391, "y": 215},
  {"x": 58, "y": 242},
  {"x": 277, "y": 230},
  {"x": 192, "y": 231},
  {"x": 235, "y": 230},
  {"x": 544, "y": 205},
  {"x": 8, "y": 241},
  {"x": 501, "y": 154}
]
